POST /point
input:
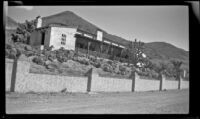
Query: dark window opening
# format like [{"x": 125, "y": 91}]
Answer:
[
  {"x": 63, "y": 39},
  {"x": 43, "y": 38}
]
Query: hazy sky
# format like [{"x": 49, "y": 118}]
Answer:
[{"x": 146, "y": 23}]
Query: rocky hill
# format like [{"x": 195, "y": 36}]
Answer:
[
  {"x": 164, "y": 50},
  {"x": 11, "y": 23},
  {"x": 11, "y": 26}
]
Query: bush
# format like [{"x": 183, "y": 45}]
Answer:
[
  {"x": 70, "y": 54},
  {"x": 28, "y": 48},
  {"x": 8, "y": 46},
  {"x": 10, "y": 54},
  {"x": 110, "y": 62},
  {"x": 98, "y": 65},
  {"x": 122, "y": 68},
  {"x": 29, "y": 53},
  {"x": 107, "y": 68},
  {"x": 38, "y": 60},
  {"x": 52, "y": 66},
  {"x": 51, "y": 56},
  {"x": 92, "y": 58},
  {"x": 61, "y": 59},
  {"x": 83, "y": 60},
  {"x": 152, "y": 74}
]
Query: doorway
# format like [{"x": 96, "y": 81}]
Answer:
[{"x": 43, "y": 38}]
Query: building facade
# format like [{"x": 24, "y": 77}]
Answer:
[{"x": 73, "y": 38}]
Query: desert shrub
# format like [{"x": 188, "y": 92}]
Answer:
[
  {"x": 151, "y": 73},
  {"x": 115, "y": 67},
  {"x": 101, "y": 59},
  {"x": 51, "y": 56},
  {"x": 61, "y": 59},
  {"x": 29, "y": 53},
  {"x": 38, "y": 60},
  {"x": 83, "y": 60},
  {"x": 60, "y": 56},
  {"x": 107, "y": 67},
  {"x": 28, "y": 48},
  {"x": 109, "y": 62},
  {"x": 52, "y": 66},
  {"x": 122, "y": 69},
  {"x": 145, "y": 74},
  {"x": 10, "y": 54},
  {"x": 176, "y": 67},
  {"x": 70, "y": 54},
  {"x": 92, "y": 59},
  {"x": 98, "y": 65},
  {"x": 8, "y": 46}
]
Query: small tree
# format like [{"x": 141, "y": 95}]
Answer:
[
  {"x": 24, "y": 31},
  {"x": 135, "y": 51},
  {"x": 177, "y": 67}
]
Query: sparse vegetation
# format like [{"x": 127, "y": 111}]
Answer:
[
  {"x": 47, "y": 57},
  {"x": 60, "y": 60}
]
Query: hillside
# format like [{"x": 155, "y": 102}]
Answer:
[
  {"x": 11, "y": 23},
  {"x": 165, "y": 51},
  {"x": 11, "y": 26},
  {"x": 155, "y": 50},
  {"x": 70, "y": 19}
]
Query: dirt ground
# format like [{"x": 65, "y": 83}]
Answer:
[{"x": 157, "y": 102}]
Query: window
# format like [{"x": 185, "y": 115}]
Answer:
[{"x": 63, "y": 39}]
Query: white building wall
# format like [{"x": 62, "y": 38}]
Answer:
[
  {"x": 99, "y": 35},
  {"x": 39, "y": 23},
  {"x": 56, "y": 35}
]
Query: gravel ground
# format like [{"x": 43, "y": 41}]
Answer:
[{"x": 164, "y": 102}]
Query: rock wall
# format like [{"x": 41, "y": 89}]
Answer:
[
  {"x": 110, "y": 84},
  {"x": 28, "y": 82},
  {"x": 171, "y": 84}
]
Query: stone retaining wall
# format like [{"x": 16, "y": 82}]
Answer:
[{"x": 27, "y": 82}]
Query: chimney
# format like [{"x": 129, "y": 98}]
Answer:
[
  {"x": 184, "y": 73},
  {"x": 39, "y": 22},
  {"x": 99, "y": 35}
]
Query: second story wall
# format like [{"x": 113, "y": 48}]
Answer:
[{"x": 62, "y": 37}]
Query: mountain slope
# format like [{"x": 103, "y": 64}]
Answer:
[
  {"x": 11, "y": 23},
  {"x": 70, "y": 19},
  {"x": 165, "y": 51},
  {"x": 11, "y": 26}
]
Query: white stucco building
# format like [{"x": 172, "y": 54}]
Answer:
[{"x": 54, "y": 31}]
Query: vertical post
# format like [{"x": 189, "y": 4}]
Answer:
[
  {"x": 101, "y": 46},
  {"x": 134, "y": 76},
  {"x": 88, "y": 48},
  {"x": 184, "y": 73},
  {"x": 179, "y": 82},
  {"x": 13, "y": 77},
  {"x": 162, "y": 82},
  {"x": 89, "y": 80}
]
